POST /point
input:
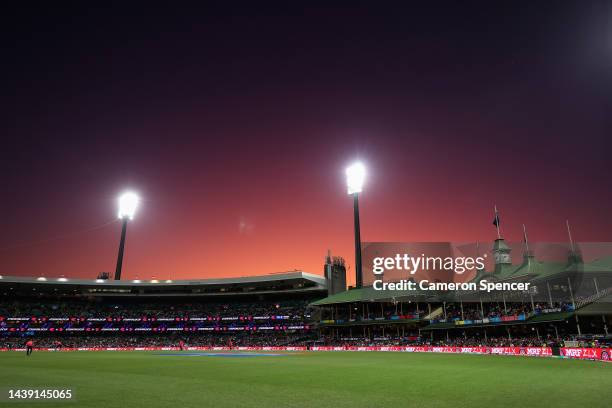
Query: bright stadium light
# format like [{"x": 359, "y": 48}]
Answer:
[
  {"x": 355, "y": 175},
  {"x": 128, "y": 202}
]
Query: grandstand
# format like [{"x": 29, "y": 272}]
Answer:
[
  {"x": 569, "y": 304},
  {"x": 569, "y": 301},
  {"x": 257, "y": 310}
]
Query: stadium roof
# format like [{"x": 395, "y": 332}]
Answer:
[
  {"x": 295, "y": 281},
  {"x": 369, "y": 294},
  {"x": 530, "y": 270},
  {"x": 129, "y": 282}
]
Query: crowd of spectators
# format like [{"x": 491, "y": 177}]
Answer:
[
  {"x": 99, "y": 309},
  {"x": 472, "y": 311},
  {"x": 278, "y": 339},
  {"x": 498, "y": 342},
  {"x": 451, "y": 311},
  {"x": 294, "y": 312},
  {"x": 458, "y": 342}
]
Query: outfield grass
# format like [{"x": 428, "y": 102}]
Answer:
[{"x": 322, "y": 379}]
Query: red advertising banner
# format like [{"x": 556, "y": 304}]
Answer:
[
  {"x": 516, "y": 351},
  {"x": 522, "y": 351},
  {"x": 165, "y": 349},
  {"x": 604, "y": 354}
]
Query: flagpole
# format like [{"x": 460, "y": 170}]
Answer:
[
  {"x": 569, "y": 233},
  {"x": 497, "y": 223},
  {"x": 527, "y": 249}
]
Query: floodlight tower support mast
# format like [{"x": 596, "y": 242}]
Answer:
[
  {"x": 121, "y": 248},
  {"x": 358, "y": 272}
]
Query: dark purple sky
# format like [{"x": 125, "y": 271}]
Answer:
[{"x": 235, "y": 125}]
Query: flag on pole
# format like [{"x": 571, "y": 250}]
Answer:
[
  {"x": 496, "y": 219},
  {"x": 496, "y": 222}
]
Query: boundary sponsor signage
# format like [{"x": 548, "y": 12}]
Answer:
[{"x": 603, "y": 354}]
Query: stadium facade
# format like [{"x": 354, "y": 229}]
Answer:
[
  {"x": 567, "y": 299},
  {"x": 75, "y": 312}
]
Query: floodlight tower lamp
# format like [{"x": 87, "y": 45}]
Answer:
[
  {"x": 128, "y": 203},
  {"x": 355, "y": 176}
]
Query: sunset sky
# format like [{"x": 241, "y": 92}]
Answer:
[{"x": 235, "y": 126}]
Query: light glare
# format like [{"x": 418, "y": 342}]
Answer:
[
  {"x": 355, "y": 175},
  {"x": 128, "y": 202}
]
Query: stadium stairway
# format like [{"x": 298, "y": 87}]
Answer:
[
  {"x": 593, "y": 298},
  {"x": 433, "y": 315}
]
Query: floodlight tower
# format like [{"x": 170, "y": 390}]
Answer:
[
  {"x": 355, "y": 175},
  {"x": 128, "y": 202}
]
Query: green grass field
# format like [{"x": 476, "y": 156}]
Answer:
[{"x": 323, "y": 379}]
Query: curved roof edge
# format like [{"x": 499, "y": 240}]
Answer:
[{"x": 274, "y": 277}]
